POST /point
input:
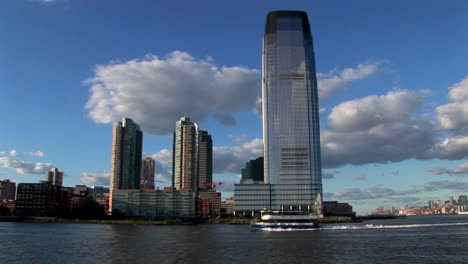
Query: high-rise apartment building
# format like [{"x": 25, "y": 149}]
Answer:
[
  {"x": 54, "y": 177},
  {"x": 147, "y": 174},
  {"x": 192, "y": 157},
  {"x": 185, "y": 155},
  {"x": 291, "y": 131},
  {"x": 127, "y": 144},
  {"x": 205, "y": 160}
]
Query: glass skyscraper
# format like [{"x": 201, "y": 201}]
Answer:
[{"x": 291, "y": 131}]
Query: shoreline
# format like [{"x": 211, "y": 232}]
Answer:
[{"x": 228, "y": 221}]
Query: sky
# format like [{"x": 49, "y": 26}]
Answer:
[{"x": 392, "y": 79}]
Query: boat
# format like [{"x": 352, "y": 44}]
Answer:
[{"x": 285, "y": 220}]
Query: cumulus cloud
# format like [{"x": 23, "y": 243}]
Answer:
[
  {"x": 14, "y": 153},
  {"x": 460, "y": 170},
  {"x": 168, "y": 88},
  {"x": 454, "y": 116},
  {"x": 233, "y": 158},
  {"x": 373, "y": 110},
  {"x": 329, "y": 83},
  {"x": 96, "y": 178},
  {"x": 163, "y": 166},
  {"x": 25, "y": 167},
  {"x": 451, "y": 148},
  {"x": 376, "y": 129}
]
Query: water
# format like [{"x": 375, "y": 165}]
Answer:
[{"x": 431, "y": 239}]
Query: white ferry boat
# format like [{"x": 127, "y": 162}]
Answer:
[{"x": 284, "y": 220}]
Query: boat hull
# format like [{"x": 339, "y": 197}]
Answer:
[{"x": 284, "y": 226}]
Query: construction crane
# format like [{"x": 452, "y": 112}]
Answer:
[{"x": 212, "y": 185}]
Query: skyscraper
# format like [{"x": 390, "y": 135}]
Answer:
[
  {"x": 185, "y": 155},
  {"x": 205, "y": 159},
  {"x": 54, "y": 177},
  {"x": 147, "y": 174},
  {"x": 127, "y": 144},
  {"x": 291, "y": 131}
]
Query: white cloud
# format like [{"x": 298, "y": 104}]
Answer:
[
  {"x": 233, "y": 158},
  {"x": 376, "y": 129},
  {"x": 329, "y": 83},
  {"x": 163, "y": 166},
  {"x": 168, "y": 88},
  {"x": 454, "y": 116},
  {"x": 451, "y": 148},
  {"x": 38, "y": 153},
  {"x": 372, "y": 110},
  {"x": 96, "y": 178},
  {"x": 14, "y": 153},
  {"x": 25, "y": 167}
]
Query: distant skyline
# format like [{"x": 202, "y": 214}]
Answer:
[{"x": 392, "y": 79}]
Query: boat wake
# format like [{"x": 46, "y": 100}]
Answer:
[
  {"x": 372, "y": 226},
  {"x": 359, "y": 226}
]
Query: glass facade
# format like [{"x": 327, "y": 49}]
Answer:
[{"x": 291, "y": 130}]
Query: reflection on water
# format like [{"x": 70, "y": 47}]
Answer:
[{"x": 411, "y": 240}]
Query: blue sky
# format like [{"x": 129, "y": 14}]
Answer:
[{"x": 393, "y": 80}]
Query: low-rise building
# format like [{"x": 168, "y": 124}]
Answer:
[
  {"x": 209, "y": 204},
  {"x": 41, "y": 199},
  {"x": 227, "y": 207},
  {"x": 154, "y": 204}
]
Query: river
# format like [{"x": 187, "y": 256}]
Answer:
[{"x": 418, "y": 239}]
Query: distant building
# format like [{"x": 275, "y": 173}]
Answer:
[
  {"x": 155, "y": 204},
  {"x": 334, "y": 208},
  {"x": 7, "y": 190},
  {"x": 205, "y": 160},
  {"x": 100, "y": 195},
  {"x": 147, "y": 174},
  {"x": 227, "y": 207},
  {"x": 451, "y": 201},
  {"x": 462, "y": 200},
  {"x": 127, "y": 143},
  {"x": 41, "y": 199},
  {"x": 54, "y": 177},
  {"x": 253, "y": 171}
]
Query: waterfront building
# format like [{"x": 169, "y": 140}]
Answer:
[
  {"x": 291, "y": 131},
  {"x": 41, "y": 199},
  {"x": 147, "y": 174},
  {"x": 334, "y": 208},
  {"x": 100, "y": 195},
  {"x": 253, "y": 171},
  {"x": 462, "y": 200},
  {"x": 7, "y": 190},
  {"x": 127, "y": 143},
  {"x": 192, "y": 157},
  {"x": 155, "y": 204},
  {"x": 209, "y": 203},
  {"x": 185, "y": 155},
  {"x": 205, "y": 160},
  {"x": 227, "y": 207},
  {"x": 54, "y": 177}
]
